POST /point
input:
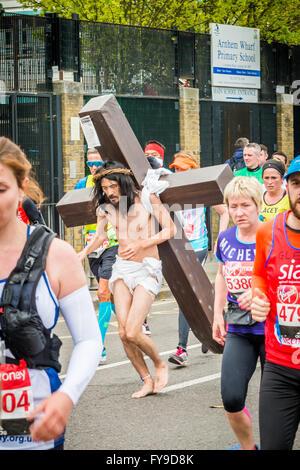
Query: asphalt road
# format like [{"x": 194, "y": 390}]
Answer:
[{"x": 186, "y": 415}]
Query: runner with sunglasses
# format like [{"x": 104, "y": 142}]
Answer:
[{"x": 94, "y": 161}]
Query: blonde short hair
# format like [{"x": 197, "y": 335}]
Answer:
[
  {"x": 246, "y": 186},
  {"x": 92, "y": 150}
]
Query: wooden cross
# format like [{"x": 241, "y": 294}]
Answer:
[{"x": 106, "y": 128}]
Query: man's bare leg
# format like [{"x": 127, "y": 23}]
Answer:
[
  {"x": 123, "y": 300},
  {"x": 141, "y": 304}
]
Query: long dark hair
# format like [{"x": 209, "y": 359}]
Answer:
[{"x": 125, "y": 182}]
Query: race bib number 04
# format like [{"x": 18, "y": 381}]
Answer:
[{"x": 16, "y": 399}]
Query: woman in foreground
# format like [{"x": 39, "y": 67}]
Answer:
[{"x": 34, "y": 394}]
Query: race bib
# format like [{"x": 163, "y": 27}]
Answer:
[
  {"x": 193, "y": 222},
  {"x": 90, "y": 237},
  {"x": 288, "y": 314},
  {"x": 16, "y": 399},
  {"x": 105, "y": 244},
  {"x": 189, "y": 231},
  {"x": 238, "y": 276}
]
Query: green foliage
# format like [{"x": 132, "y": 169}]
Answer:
[{"x": 276, "y": 21}]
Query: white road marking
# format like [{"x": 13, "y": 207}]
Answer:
[
  {"x": 170, "y": 388},
  {"x": 190, "y": 383}
]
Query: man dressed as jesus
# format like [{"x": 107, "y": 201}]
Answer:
[{"x": 137, "y": 273}]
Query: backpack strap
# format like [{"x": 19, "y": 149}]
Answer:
[{"x": 21, "y": 326}]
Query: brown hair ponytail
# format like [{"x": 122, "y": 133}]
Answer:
[{"x": 14, "y": 158}]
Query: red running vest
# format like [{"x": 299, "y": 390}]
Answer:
[{"x": 282, "y": 328}]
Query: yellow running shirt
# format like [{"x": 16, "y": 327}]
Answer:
[{"x": 269, "y": 211}]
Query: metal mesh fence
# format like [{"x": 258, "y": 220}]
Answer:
[
  {"x": 26, "y": 119},
  {"x": 127, "y": 60},
  {"x": 202, "y": 65},
  {"x": 22, "y": 53},
  {"x": 6, "y": 121},
  {"x": 33, "y": 117},
  {"x": 68, "y": 45}
]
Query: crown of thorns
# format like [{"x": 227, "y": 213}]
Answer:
[{"x": 123, "y": 171}]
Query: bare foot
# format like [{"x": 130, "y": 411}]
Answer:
[
  {"x": 161, "y": 378},
  {"x": 147, "y": 389}
]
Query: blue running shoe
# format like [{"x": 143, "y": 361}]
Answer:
[{"x": 103, "y": 355}]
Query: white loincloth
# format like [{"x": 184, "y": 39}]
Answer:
[{"x": 147, "y": 274}]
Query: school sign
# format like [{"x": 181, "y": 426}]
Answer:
[{"x": 235, "y": 56}]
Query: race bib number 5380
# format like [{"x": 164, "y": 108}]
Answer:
[{"x": 238, "y": 276}]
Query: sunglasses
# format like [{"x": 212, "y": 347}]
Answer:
[{"x": 96, "y": 164}]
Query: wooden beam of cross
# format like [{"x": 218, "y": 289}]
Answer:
[{"x": 106, "y": 128}]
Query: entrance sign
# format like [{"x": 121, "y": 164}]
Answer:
[
  {"x": 235, "y": 56},
  {"x": 234, "y": 95}
]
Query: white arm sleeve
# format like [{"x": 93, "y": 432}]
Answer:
[{"x": 78, "y": 311}]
